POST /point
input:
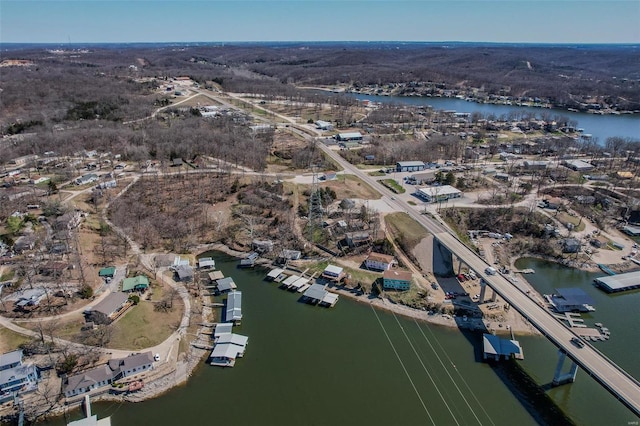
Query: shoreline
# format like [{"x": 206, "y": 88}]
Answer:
[{"x": 183, "y": 370}]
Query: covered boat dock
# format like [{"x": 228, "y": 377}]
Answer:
[{"x": 619, "y": 282}]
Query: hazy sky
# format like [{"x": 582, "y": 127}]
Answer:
[{"x": 547, "y": 21}]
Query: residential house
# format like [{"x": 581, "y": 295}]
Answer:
[
  {"x": 291, "y": 254},
  {"x": 38, "y": 179},
  {"x": 106, "y": 374},
  {"x": 86, "y": 179},
  {"x": 333, "y": 273},
  {"x": 184, "y": 273},
  {"x": 24, "y": 243},
  {"x": 571, "y": 245},
  {"x": 67, "y": 221},
  {"x": 379, "y": 261},
  {"x": 87, "y": 381},
  {"x": 107, "y": 272},
  {"x": 139, "y": 283},
  {"x": 31, "y": 298},
  {"x": 15, "y": 376},
  {"x": 262, "y": 246},
  {"x": 109, "y": 309},
  {"x": 396, "y": 280},
  {"x": 355, "y": 239},
  {"x": 131, "y": 365}
]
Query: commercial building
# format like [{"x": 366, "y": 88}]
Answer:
[
  {"x": 350, "y": 136},
  {"x": 410, "y": 166},
  {"x": 432, "y": 194},
  {"x": 578, "y": 165}
]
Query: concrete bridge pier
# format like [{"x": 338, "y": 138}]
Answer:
[
  {"x": 483, "y": 291},
  {"x": 560, "y": 378},
  {"x": 459, "y": 266}
]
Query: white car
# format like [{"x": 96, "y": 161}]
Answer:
[{"x": 156, "y": 357}]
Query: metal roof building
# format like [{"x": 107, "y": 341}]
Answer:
[
  {"x": 432, "y": 194},
  {"x": 571, "y": 299},
  {"x": 619, "y": 282},
  {"x": 495, "y": 347},
  {"x": 226, "y": 284},
  {"x": 234, "y": 307}
]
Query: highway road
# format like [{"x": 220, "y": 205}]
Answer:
[{"x": 617, "y": 381}]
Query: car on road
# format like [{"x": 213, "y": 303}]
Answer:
[
  {"x": 490, "y": 271},
  {"x": 577, "y": 341}
]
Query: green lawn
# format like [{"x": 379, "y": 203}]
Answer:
[
  {"x": 142, "y": 326},
  {"x": 393, "y": 185},
  {"x": 406, "y": 231},
  {"x": 10, "y": 340}
]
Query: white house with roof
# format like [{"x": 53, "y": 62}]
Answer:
[
  {"x": 332, "y": 272},
  {"x": 379, "y": 261},
  {"x": 16, "y": 377}
]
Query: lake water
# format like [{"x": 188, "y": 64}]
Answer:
[
  {"x": 352, "y": 365},
  {"x": 599, "y": 126}
]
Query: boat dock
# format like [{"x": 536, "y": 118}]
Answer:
[
  {"x": 317, "y": 294},
  {"x": 619, "y": 282},
  {"x": 494, "y": 347},
  {"x": 300, "y": 283}
]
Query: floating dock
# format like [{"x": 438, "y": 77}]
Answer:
[
  {"x": 619, "y": 282},
  {"x": 495, "y": 348},
  {"x": 317, "y": 294}
]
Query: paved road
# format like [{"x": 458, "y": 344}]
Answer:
[{"x": 622, "y": 385}]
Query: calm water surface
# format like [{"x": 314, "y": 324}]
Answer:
[
  {"x": 351, "y": 365},
  {"x": 599, "y": 126}
]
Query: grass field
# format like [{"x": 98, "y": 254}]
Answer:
[
  {"x": 143, "y": 327},
  {"x": 10, "y": 340},
  {"x": 393, "y": 185},
  {"x": 406, "y": 231}
]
